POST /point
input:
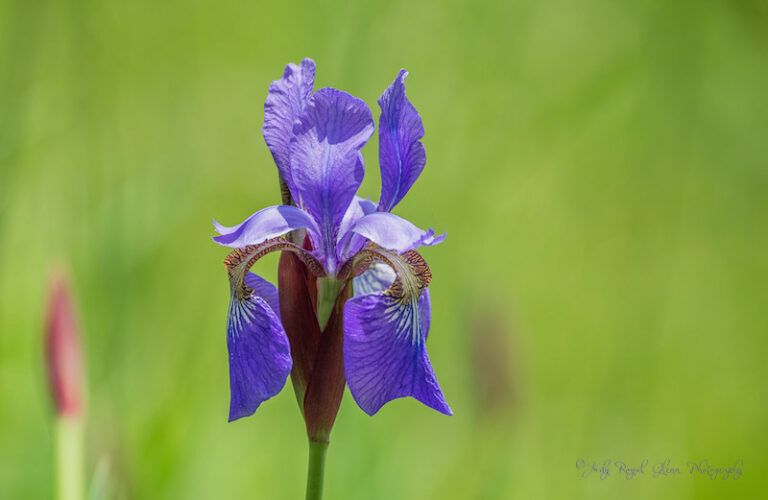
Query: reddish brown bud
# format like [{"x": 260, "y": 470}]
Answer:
[
  {"x": 296, "y": 288},
  {"x": 326, "y": 386},
  {"x": 63, "y": 350}
]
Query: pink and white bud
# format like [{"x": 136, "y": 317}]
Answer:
[{"x": 63, "y": 350}]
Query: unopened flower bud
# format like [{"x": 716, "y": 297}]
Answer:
[{"x": 63, "y": 350}]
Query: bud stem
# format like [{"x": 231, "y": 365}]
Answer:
[
  {"x": 69, "y": 458},
  {"x": 316, "y": 469}
]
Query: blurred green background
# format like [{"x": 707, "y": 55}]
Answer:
[{"x": 601, "y": 169}]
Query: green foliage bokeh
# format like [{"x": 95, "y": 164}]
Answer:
[{"x": 601, "y": 169}]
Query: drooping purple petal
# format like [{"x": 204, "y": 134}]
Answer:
[
  {"x": 267, "y": 223},
  {"x": 286, "y": 100},
  {"x": 394, "y": 233},
  {"x": 326, "y": 164},
  {"x": 385, "y": 355},
  {"x": 401, "y": 153},
  {"x": 259, "y": 350},
  {"x": 259, "y": 354},
  {"x": 264, "y": 289},
  {"x": 378, "y": 277}
]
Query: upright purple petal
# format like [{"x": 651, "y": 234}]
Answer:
[
  {"x": 385, "y": 355},
  {"x": 326, "y": 163},
  {"x": 259, "y": 354},
  {"x": 401, "y": 153},
  {"x": 425, "y": 309},
  {"x": 267, "y": 223},
  {"x": 357, "y": 209},
  {"x": 349, "y": 244},
  {"x": 377, "y": 278},
  {"x": 286, "y": 100},
  {"x": 393, "y": 233}
]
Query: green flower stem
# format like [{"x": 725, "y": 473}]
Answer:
[
  {"x": 327, "y": 291},
  {"x": 316, "y": 469},
  {"x": 69, "y": 458}
]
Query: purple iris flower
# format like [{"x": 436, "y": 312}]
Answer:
[{"x": 353, "y": 302}]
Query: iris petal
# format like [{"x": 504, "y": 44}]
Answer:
[
  {"x": 394, "y": 233},
  {"x": 385, "y": 333},
  {"x": 379, "y": 277},
  {"x": 326, "y": 164},
  {"x": 375, "y": 279},
  {"x": 359, "y": 208},
  {"x": 401, "y": 153},
  {"x": 385, "y": 355},
  {"x": 267, "y": 223},
  {"x": 259, "y": 351},
  {"x": 259, "y": 354},
  {"x": 286, "y": 100},
  {"x": 351, "y": 243},
  {"x": 264, "y": 289}
]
